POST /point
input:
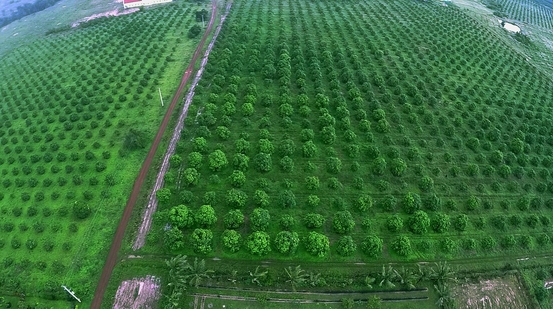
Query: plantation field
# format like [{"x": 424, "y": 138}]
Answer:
[
  {"x": 79, "y": 108},
  {"x": 539, "y": 13},
  {"x": 425, "y": 141}
]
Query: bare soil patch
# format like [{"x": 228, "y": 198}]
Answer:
[
  {"x": 138, "y": 293},
  {"x": 493, "y": 293}
]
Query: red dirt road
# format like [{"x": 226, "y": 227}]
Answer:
[{"x": 120, "y": 232}]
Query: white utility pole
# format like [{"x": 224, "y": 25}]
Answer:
[
  {"x": 160, "y": 97},
  {"x": 71, "y": 293}
]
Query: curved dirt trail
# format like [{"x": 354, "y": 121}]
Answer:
[
  {"x": 119, "y": 233},
  {"x": 152, "y": 200}
]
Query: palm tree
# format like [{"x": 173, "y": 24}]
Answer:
[
  {"x": 442, "y": 273},
  {"x": 198, "y": 272},
  {"x": 406, "y": 277},
  {"x": 296, "y": 276},
  {"x": 256, "y": 275},
  {"x": 173, "y": 299},
  {"x": 445, "y": 300},
  {"x": 314, "y": 279},
  {"x": 369, "y": 281},
  {"x": 421, "y": 273},
  {"x": 178, "y": 266},
  {"x": 387, "y": 276},
  {"x": 233, "y": 277}
]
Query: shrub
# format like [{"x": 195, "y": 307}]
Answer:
[
  {"x": 412, "y": 202},
  {"x": 190, "y": 177},
  {"x": 205, "y": 216},
  {"x": 231, "y": 240},
  {"x": 398, "y": 167},
  {"x": 258, "y": 243},
  {"x": 346, "y": 246},
  {"x": 313, "y": 220},
  {"x": 287, "y": 199},
  {"x": 441, "y": 223},
  {"x": 343, "y": 222},
  {"x": 233, "y": 219},
  {"x": 286, "y": 242},
  {"x": 419, "y": 222},
  {"x": 394, "y": 223},
  {"x": 81, "y": 210},
  {"x": 372, "y": 246},
  {"x": 460, "y": 222},
  {"x": 263, "y": 162},
  {"x": 173, "y": 239},
  {"x": 201, "y": 240},
  {"x": 260, "y": 219},
  {"x": 236, "y": 198},
  {"x": 217, "y": 160},
  {"x": 401, "y": 245},
  {"x": 317, "y": 244}
]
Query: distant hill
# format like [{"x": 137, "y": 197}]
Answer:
[{"x": 13, "y": 10}]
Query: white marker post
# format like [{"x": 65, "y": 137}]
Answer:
[
  {"x": 71, "y": 293},
  {"x": 160, "y": 97}
]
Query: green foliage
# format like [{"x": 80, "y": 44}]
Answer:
[
  {"x": 313, "y": 220},
  {"x": 401, "y": 245},
  {"x": 419, "y": 222},
  {"x": 240, "y": 162},
  {"x": 263, "y": 162},
  {"x": 134, "y": 140},
  {"x": 190, "y": 177},
  {"x": 394, "y": 223},
  {"x": 411, "y": 203},
  {"x": 205, "y": 216},
  {"x": 258, "y": 243},
  {"x": 217, "y": 160},
  {"x": 194, "y": 31},
  {"x": 440, "y": 223},
  {"x": 181, "y": 217},
  {"x": 312, "y": 182},
  {"x": 343, "y": 222},
  {"x": 460, "y": 222},
  {"x": 372, "y": 246},
  {"x": 173, "y": 239},
  {"x": 236, "y": 198},
  {"x": 231, "y": 240},
  {"x": 287, "y": 199},
  {"x": 286, "y": 242},
  {"x": 317, "y": 244},
  {"x": 233, "y": 219},
  {"x": 363, "y": 203},
  {"x": 163, "y": 195},
  {"x": 201, "y": 240},
  {"x": 81, "y": 210},
  {"x": 260, "y": 219},
  {"x": 237, "y": 178},
  {"x": 261, "y": 199},
  {"x": 398, "y": 167},
  {"x": 346, "y": 246}
]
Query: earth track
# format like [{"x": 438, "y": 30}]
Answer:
[{"x": 120, "y": 232}]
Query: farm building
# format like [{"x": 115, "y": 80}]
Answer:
[{"x": 136, "y": 3}]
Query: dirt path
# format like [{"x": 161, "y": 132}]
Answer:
[
  {"x": 152, "y": 200},
  {"x": 120, "y": 232}
]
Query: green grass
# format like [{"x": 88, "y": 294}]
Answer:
[
  {"x": 470, "y": 121},
  {"x": 78, "y": 72},
  {"x": 427, "y": 94}
]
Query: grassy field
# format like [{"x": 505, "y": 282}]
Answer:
[
  {"x": 79, "y": 109},
  {"x": 375, "y": 132},
  {"x": 398, "y": 126}
]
